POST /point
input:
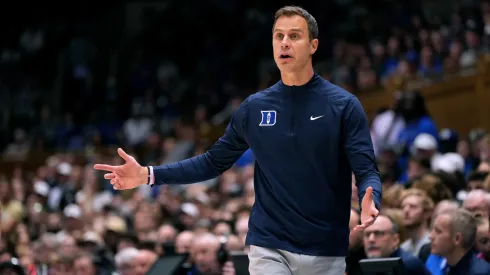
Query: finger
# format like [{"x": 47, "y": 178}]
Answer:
[
  {"x": 369, "y": 221},
  {"x": 114, "y": 181},
  {"x": 123, "y": 154},
  {"x": 109, "y": 176},
  {"x": 359, "y": 228},
  {"x": 104, "y": 167}
]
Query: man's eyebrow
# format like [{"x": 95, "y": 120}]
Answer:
[{"x": 293, "y": 29}]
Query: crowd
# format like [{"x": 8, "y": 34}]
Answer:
[{"x": 62, "y": 217}]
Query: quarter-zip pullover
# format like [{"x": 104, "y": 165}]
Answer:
[{"x": 307, "y": 140}]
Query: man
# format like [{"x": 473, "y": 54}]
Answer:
[
  {"x": 483, "y": 239},
  {"x": 453, "y": 237},
  {"x": 417, "y": 210},
  {"x": 382, "y": 240},
  {"x": 84, "y": 265},
  {"x": 125, "y": 261},
  {"x": 477, "y": 203},
  {"x": 183, "y": 242},
  {"x": 307, "y": 136},
  {"x": 424, "y": 253},
  {"x": 144, "y": 261},
  {"x": 204, "y": 252}
]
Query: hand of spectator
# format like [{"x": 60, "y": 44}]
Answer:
[
  {"x": 369, "y": 212},
  {"x": 126, "y": 176},
  {"x": 229, "y": 269}
]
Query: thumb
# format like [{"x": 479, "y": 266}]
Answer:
[
  {"x": 123, "y": 154},
  {"x": 369, "y": 194}
]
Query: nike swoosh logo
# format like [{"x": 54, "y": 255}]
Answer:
[{"x": 315, "y": 118}]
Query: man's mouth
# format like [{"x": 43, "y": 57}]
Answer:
[{"x": 284, "y": 56}]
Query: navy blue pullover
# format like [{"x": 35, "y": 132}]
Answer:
[{"x": 307, "y": 140}]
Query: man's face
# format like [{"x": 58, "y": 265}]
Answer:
[
  {"x": 84, "y": 266},
  {"x": 441, "y": 236},
  {"x": 143, "y": 262},
  {"x": 291, "y": 43},
  {"x": 379, "y": 239},
  {"x": 166, "y": 234},
  {"x": 183, "y": 242},
  {"x": 483, "y": 239},
  {"x": 413, "y": 211},
  {"x": 222, "y": 229},
  {"x": 474, "y": 184},
  {"x": 477, "y": 205},
  {"x": 204, "y": 255},
  {"x": 69, "y": 247},
  {"x": 415, "y": 170}
]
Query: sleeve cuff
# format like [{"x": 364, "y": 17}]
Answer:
[{"x": 152, "y": 177}]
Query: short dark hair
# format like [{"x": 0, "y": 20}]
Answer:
[
  {"x": 424, "y": 162},
  {"x": 477, "y": 176},
  {"x": 295, "y": 10}
]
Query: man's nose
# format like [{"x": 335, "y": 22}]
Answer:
[
  {"x": 285, "y": 43},
  {"x": 371, "y": 238}
]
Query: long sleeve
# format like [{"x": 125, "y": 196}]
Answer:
[
  {"x": 219, "y": 158},
  {"x": 359, "y": 150}
]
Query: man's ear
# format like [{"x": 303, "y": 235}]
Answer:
[
  {"x": 396, "y": 239},
  {"x": 314, "y": 46},
  {"x": 458, "y": 238}
]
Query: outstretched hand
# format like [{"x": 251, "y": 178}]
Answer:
[
  {"x": 369, "y": 213},
  {"x": 127, "y": 176}
]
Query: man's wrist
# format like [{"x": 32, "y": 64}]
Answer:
[{"x": 144, "y": 175}]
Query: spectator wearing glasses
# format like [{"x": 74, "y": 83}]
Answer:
[{"x": 382, "y": 240}]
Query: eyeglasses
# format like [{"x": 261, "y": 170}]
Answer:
[{"x": 377, "y": 233}]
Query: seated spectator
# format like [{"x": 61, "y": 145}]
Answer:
[
  {"x": 381, "y": 240},
  {"x": 477, "y": 202},
  {"x": 125, "y": 261},
  {"x": 417, "y": 210},
  {"x": 204, "y": 252},
  {"x": 453, "y": 237},
  {"x": 483, "y": 239}
]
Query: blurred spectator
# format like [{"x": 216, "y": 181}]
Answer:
[
  {"x": 381, "y": 240},
  {"x": 453, "y": 237}
]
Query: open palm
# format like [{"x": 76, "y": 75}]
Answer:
[
  {"x": 369, "y": 213},
  {"x": 126, "y": 176}
]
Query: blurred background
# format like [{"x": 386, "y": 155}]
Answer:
[{"x": 161, "y": 80}]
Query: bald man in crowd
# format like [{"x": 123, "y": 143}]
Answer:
[
  {"x": 183, "y": 242},
  {"x": 204, "y": 253},
  {"x": 144, "y": 261},
  {"x": 477, "y": 202}
]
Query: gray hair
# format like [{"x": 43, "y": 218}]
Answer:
[
  {"x": 125, "y": 256},
  {"x": 462, "y": 221}
]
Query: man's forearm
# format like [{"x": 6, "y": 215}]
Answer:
[
  {"x": 192, "y": 170},
  {"x": 374, "y": 182}
]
